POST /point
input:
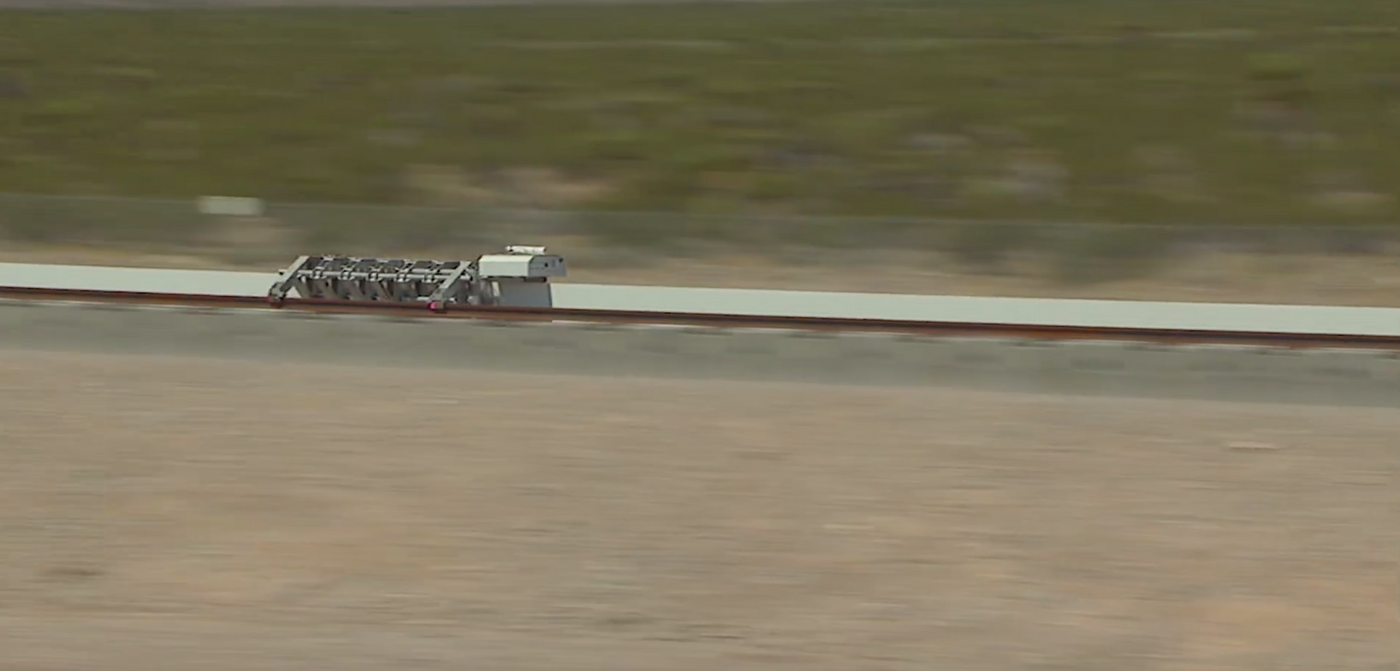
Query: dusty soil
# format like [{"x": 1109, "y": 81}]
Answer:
[{"x": 261, "y": 516}]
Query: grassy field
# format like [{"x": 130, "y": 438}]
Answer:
[{"x": 1098, "y": 110}]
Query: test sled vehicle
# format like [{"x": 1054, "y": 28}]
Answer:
[{"x": 517, "y": 276}]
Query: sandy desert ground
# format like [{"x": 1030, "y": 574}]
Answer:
[{"x": 166, "y": 513}]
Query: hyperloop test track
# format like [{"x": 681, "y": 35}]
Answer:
[{"x": 1276, "y": 326}]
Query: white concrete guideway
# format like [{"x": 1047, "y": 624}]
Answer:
[{"x": 1322, "y": 320}]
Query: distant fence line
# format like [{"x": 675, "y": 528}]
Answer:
[{"x": 276, "y": 229}]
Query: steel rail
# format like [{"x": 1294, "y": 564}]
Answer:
[{"x": 630, "y": 317}]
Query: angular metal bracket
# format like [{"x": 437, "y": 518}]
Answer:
[{"x": 290, "y": 279}]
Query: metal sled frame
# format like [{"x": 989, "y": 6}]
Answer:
[{"x": 348, "y": 278}]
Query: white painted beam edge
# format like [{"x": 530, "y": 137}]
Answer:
[
  {"x": 151, "y": 280},
  {"x": 1029, "y": 311}
]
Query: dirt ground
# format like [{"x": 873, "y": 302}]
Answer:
[{"x": 266, "y": 516}]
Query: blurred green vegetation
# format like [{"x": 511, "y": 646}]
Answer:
[{"x": 1285, "y": 111}]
